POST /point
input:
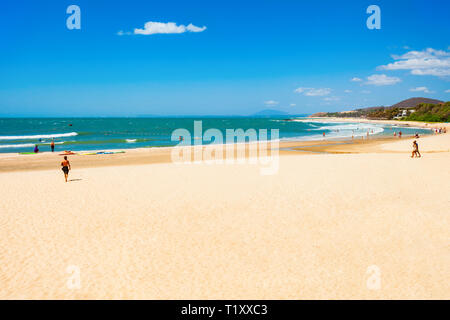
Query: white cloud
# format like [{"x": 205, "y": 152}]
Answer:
[
  {"x": 366, "y": 91},
  {"x": 431, "y": 72},
  {"x": 356, "y": 79},
  {"x": 447, "y": 91},
  {"x": 420, "y": 89},
  {"x": 292, "y": 104},
  {"x": 313, "y": 92},
  {"x": 331, "y": 99},
  {"x": 381, "y": 80},
  {"x": 347, "y": 91},
  {"x": 193, "y": 28},
  {"x": 271, "y": 103},
  {"x": 152, "y": 27},
  {"x": 122, "y": 33},
  {"x": 426, "y": 62}
]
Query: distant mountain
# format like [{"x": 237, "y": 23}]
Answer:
[
  {"x": 413, "y": 102},
  {"x": 270, "y": 112}
]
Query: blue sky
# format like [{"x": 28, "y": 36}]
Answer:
[{"x": 295, "y": 56}]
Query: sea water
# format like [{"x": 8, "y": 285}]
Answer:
[{"x": 22, "y": 134}]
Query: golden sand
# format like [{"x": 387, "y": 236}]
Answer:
[{"x": 364, "y": 221}]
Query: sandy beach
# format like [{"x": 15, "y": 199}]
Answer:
[{"x": 136, "y": 226}]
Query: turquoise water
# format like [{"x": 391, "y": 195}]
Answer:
[{"x": 21, "y": 134}]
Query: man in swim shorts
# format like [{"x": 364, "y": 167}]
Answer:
[{"x": 65, "y": 167}]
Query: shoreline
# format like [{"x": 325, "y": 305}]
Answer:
[
  {"x": 151, "y": 155},
  {"x": 281, "y": 140},
  {"x": 419, "y": 124},
  {"x": 13, "y": 162}
]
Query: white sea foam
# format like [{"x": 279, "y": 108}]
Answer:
[
  {"x": 23, "y": 145},
  {"x": 353, "y": 128},
  {"x": 39, "y": 136},
  {"x": 337, "y": 130},
  {"x": 130, "y": 140}
]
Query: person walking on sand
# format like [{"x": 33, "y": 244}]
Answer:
[
  {"x": 65, "y": 164},
  {"x": 415, "y": 151},
  {"x": 52, "y": 145}
]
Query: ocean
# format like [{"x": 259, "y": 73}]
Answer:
[{"x": 75, "y": 134}]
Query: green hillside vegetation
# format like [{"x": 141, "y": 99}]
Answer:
[
  {"x": 423, "y": 112},
  {"x": 417, "y": 109},
  {"x": 387, "y": 113},
  {"x": 431, "y": 112}
]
